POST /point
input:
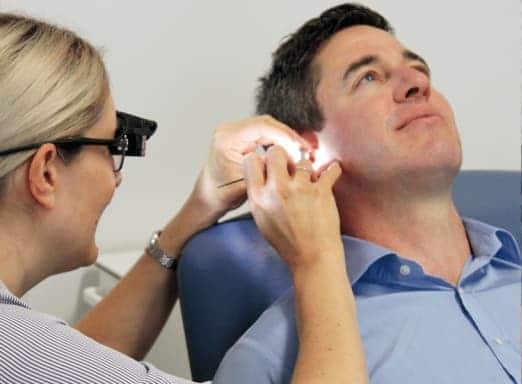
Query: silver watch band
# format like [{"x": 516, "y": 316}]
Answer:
[{"x": 159, "y": 254}]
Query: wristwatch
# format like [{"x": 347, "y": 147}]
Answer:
[{"x": 159, "y": 254}]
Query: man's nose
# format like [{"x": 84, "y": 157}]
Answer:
[{"x": 413, "y": 85}]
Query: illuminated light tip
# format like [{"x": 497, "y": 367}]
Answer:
[
  {"x": 294, "y": 150},
  {"x": 321, "y": 157},
  {"x": 305, "y": 154}
]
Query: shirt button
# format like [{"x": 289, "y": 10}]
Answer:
[
  {"x": 404, "y": 270},
  {"x": 498, "y": 340}
]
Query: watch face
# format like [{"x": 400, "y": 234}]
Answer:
[{"x": 168, "y": 262}]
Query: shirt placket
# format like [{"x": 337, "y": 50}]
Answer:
[{"x": 492, "y": 334}]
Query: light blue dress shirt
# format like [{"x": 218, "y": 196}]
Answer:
[{"x": 416, "y": 328}]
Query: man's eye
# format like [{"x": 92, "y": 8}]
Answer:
[{"x": 368, "y": 77}]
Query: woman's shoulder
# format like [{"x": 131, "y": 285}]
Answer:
[
  {"x": 22, "y": 317},
  {"x": 18, "y": 314},
  {"x": 37, "y": 347}
]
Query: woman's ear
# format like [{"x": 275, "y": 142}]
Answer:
[{"x": 42, "y": 175}]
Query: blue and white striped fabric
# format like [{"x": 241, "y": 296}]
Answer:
[{"x": 37, "y": 348}]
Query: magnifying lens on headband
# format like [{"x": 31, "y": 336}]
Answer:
[{"x": 137, "y": 131}]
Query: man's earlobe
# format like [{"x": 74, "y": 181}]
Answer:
[{"x": 42, "y": 175}]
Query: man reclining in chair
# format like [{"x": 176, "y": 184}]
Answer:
[{"x": 438, "y": 296}]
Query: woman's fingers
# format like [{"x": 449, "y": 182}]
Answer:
[
  {"x": 277, "y": 161},
  {"x": 266, "y": 130},
  {"x": 254, "y": 171},
  {"x": 330, "y": 175},
  {"x": 304, "y": 171},
  {"x": 244, "y": 136}
]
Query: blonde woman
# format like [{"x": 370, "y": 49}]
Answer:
[{"x": 62, "y": 146}]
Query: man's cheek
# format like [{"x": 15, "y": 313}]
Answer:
[{"x": 443, "y": 106}]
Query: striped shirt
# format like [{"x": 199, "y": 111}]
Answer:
[{"x": 38, "y": 348}]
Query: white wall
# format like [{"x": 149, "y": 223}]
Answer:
[{"x": 194, "y": 64}]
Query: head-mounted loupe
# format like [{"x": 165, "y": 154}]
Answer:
[
  {"x": 137, "y": 130},
  {"x": 130, "y": 138}
]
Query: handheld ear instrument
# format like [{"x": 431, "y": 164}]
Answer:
[{"x": 305, "y": 155}]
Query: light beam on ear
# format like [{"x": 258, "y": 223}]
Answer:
[
  {"x": 291, "y": 147},
  {"x": 322, "y": 156}
]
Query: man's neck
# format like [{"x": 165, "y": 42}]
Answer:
[{"x": 426, "y": 230}]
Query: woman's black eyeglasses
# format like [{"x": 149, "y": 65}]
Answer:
[{"x": 131, "y": 136}]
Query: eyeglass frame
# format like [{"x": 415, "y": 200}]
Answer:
[{"x": 132, "y": 133}]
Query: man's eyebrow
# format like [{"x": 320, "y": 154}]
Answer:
[
  {"x": 409, "y": 55},
  {"x": 363, "y": 61},
  {"x": 372, "y": 59}
]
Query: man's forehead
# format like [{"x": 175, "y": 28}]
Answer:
[{"x": 357, "y": 41}]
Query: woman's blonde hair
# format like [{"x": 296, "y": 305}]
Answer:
[{"x": 53, "y": 84}]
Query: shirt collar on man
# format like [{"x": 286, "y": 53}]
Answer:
[
  {"x": 486, "y": 241},
  {"x": 361, "y": 255}
]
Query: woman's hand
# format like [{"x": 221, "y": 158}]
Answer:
[
  {"x": 230, "y": 143},
  {"x": 293, "y": 207},
  {"x": 295, "y": 210}
]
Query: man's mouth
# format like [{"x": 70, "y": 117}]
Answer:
[
  {"x": 415, "y": 115},
  {"x": 418, "y": 120}
]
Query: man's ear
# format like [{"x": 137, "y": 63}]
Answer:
[
  {"x": 311, "y": 137},
  {"x": 313, "y": 140},
  {"x": 42, "y": 175}
]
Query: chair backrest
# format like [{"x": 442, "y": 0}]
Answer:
[{"x": 228, "y": 274}]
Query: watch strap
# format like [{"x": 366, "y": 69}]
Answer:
[{"x": 153, "y": 249}]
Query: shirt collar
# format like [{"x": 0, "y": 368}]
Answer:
[
  {"x": 486, "y": 241},
  {"x": 6, "y": 297},
  {"x": 360, "y": 255}
]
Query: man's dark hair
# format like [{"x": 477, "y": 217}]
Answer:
[{"x": 287, "y": 91}]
